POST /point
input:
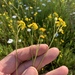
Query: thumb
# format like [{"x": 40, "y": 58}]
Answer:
[{"x": 30, "y": 71}]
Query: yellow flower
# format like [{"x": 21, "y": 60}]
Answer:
[
  {"x": 10, "y": 3},
  {"x": 50, "y": 16},
  {"x": 42, "y": 36},
  {"x": 64, "y": 24},
  {"x": 11, "y": 21},
  {"x": 60, "y": 19},
  {"x": 60, "y": 55},
  {"x": 3, "y": 5},
  {"x": 35, "y": 13},
  {"x": 31, "y": 7},
  {"x": 57, "y": 23},
  {"x": 26, "y": 19},
  {"x": 29, "y": 19},
  {"x": 61, "y": 31},
  {"x": 10, "y": 26},
  {"x": 42, "y": 29},
  {"x": 30, "y": 25},
  {"x": 62, "y": 41},
  {"x": 56, "y": 18},
  {"x": 34, "y": 26},
  {"x": 21, "y": 24},
  {"x": 55, "y": 14},
  {"x": 60, "y": 22},
  {"x": 7, "y": 17}
]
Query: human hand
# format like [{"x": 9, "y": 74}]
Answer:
[{"x": 8, "y": 64}]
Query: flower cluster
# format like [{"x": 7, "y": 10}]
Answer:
[
  {"x": 59, "y": 22},
  {"x": 42, "y": 30}
]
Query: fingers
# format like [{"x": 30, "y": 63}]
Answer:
[
  {"x": 8, "y": 64},
  {"x": 1, "y": 73},
  {"x": 30, "y": 71},
  {"x": 27, "y": 53},
  {"x": 49, "y": 57},
  {"x": 59, "y": 71}
]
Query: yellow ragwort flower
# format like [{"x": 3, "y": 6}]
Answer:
[
  {"x": 3, "y": 5},
  {"x": 60, "y": 22},
  {"x": 30, "y": 25},
  {"x": 63, "y": 24},
  {"x": 42, "y": 29},
  {"x": 34, "y": 26},
  {"x": 56, "y": 18},
  {"x": 35, "y": 13},
  {"x": 62, "y": 41},
  {"x": 26, "y": 19},
  {"x": 31, "y": 7},
  {"x": 60, "y": 19},
  {"x": 10, "y": 26},
  {"x": 7, "y": 17},
  {"x": 10, "y": 3},
  {"x": 57, "y": 23},
  {"x": 50, "y": 16},
  {"x": 21, "y": 24},
  {"x": 61, "y": 31},
  {"x": 55, "y": 14},
  {"x": 42, "y": 36},
  {"x": 11, "y": 21},
  {"x": 60, "y": 55}
]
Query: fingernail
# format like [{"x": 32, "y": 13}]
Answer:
[{"x": 30, "y": 71}]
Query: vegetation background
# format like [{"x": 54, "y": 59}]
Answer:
[{"x": 27, "y": 22}]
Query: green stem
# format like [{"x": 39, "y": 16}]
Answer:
[
  {"x": 16, "y": 56},
  {"x": 31, "y": 35},
  {"x": 16, "y": 51},
  {"x": 36, "y": 54},
  {"x": 36, "y": 51},
  {"x": 49, "y": 47},
  {"x": 52, "y": 40}
]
